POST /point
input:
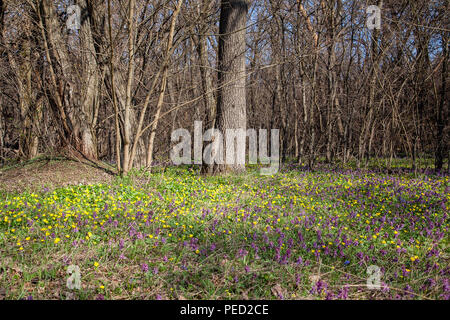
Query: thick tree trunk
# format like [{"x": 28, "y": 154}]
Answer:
[
  {"x": 74, "y": 105},
  {"x": 90, "y": 87},
  {"x": 231, "y": 104}
]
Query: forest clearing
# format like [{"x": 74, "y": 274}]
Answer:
[
  {"x": 178, "y": 235},
  {"x": 224, "y": 150}
]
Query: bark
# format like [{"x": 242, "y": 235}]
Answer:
[
  {"x": 113, "y": 92},
  {"x": 30, "y": 102},
  {"x": 90, "y": 85},
  {"x": 131, "y": 67},
  {"x": 75, "y": 105},
  {"x": 231, "y": 102},
  {"x": 205, "y": 72},
  {"x": 207, "y": 86}
]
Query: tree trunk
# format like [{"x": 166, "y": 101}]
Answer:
[
  {"x": 205, "y": 73},
  {"x": 441, "y": 143},
  {"x": 163, "y": 84},
  {"x": 231, "y": 104},
  {"x": 30, "y": 103},
  {"x": 74, "y": 106}
]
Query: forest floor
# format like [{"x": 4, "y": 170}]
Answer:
[
  {"x": 48, "y": 174},
  {"x": 175, "y": 234}
]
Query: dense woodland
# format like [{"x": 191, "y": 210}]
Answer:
[{"x": 136, "y": 70}]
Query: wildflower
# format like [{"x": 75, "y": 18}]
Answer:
[{"x": 122, "y": 257}]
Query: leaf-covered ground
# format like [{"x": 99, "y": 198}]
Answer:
[{"x": 178, "y": 235}]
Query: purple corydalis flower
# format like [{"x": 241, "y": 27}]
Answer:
[
  {"x": 242, "y": 252},
  {"x": 66, "y": 260},
  {"x": 329, "y": 296},
  {"x": 297, "y": 279},
  {"x": 343, "y": 293}
]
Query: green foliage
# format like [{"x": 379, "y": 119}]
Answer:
[{"x": 175, "y": 234}]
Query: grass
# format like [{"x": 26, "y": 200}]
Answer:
[{"x": 178, "y": 235}]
